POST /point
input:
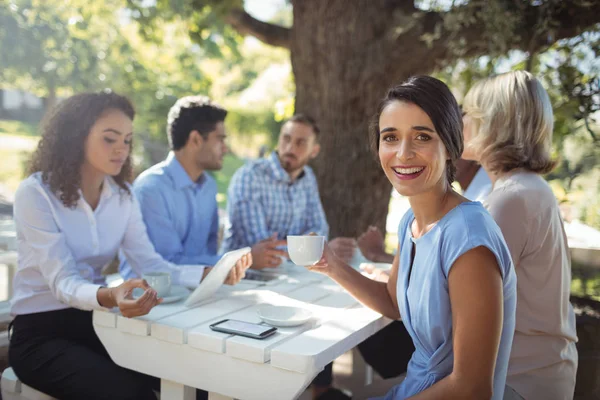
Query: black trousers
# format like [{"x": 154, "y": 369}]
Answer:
[
  {"x": 325, "y": 377},
  {"x": 58, "y": 353},
  {"x": 389, "y": 350}
]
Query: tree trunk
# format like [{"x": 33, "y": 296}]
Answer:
[
  {"x": 339, "y": 82},
  {"x": 50, "y": 100}
]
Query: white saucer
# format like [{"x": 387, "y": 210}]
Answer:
[
  {"x": 283, "y": 316},
  {"x": 177, "y": 293}
]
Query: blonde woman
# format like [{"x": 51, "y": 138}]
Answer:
[{"x": 508, "y": 124}]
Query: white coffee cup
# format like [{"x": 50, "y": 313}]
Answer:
[
  {"x": 159, "y": 281},
  {"x": 305, "y": 250}
]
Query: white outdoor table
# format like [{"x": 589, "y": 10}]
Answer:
[{"x": 175, "y": 343}]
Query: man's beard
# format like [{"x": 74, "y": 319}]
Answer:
[
  {"x": 213, "y": 165},
  {"x": 291, "y": 163}
]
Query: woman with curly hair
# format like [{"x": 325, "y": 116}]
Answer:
[{"x": 72, "y": 215}]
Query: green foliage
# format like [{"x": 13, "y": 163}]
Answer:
[
  {"x": 64, "y": 47},
  {"x": 585, "y": 282},
  {"x": 231, "y": 163},
  {"x": 47, "y": 45},
  {"x": 570, "y": 72},
  {"x": 248, "y": 123},
  {"x": 205, "y": 19},
  {"x": 17, "y": 128}
]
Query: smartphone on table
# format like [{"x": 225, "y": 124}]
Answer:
[{"x": 243, "y": 328}]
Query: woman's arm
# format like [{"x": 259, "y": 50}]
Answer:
[
  {"x": 378, "y": 296},
  {"x": 48, "y": 246},
  {"x": 476, "y": 300}
]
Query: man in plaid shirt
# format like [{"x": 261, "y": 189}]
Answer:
[{"x": 271, "y": 198}]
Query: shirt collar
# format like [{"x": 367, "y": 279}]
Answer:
[
  {"x": 279, "y": 173},
  {"x": 180, "y": 177},
  {"x": 109, "y": 187}
]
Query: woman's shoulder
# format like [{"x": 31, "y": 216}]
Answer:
[
  {"x": 520, "y": 195},
  {"x": 31, "y": 185},
  {"x": 465, "y": 216},
  {"x": 469, "y": 226}
]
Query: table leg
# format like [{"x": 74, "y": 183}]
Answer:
[
  {"x": 217, "y": 396},
  {"x": 362, "y": 373},
  {"x": 170, "y": 390}
]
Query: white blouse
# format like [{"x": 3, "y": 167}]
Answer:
[{"x": 61, "y": 251}]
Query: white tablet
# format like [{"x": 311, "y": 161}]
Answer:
[{"x": 216, "y": 277}]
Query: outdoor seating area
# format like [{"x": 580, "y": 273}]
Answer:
[{"x": 299, "y": 200}]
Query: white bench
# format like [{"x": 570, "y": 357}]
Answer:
[{"x": 14, "y": 389}]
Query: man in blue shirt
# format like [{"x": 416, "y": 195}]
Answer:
[
  {"x": 177, "y": 198},
  {"x": 271, "y": 198}
]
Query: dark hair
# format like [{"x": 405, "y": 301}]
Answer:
[
  {"x": 306, "y": 120},
  {"x": 435, "y": 98},
  {"x": 192, "y": 113},
  {"x": 61, "y": 150}
]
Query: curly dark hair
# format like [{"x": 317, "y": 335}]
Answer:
[
  {"x": 61, "y": 150},
  {"x": 192, "y": 113}
]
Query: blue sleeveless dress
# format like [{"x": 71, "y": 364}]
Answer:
[{"x": 424, "y": 302}]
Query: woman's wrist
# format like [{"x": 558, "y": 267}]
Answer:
[
  {"x": 337, "y": 269},
  {"x": 106, "y": 297}
]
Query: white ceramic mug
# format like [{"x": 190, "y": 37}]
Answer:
[
  {"x": 305, "y": 250},
  {"x": 160, "y": 281}
]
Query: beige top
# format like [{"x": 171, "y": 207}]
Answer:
[{"x": 543, "y": 360}]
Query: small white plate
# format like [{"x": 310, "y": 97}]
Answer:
[
  {"x": 177, "y": 293},
  {"x": 283, "y": 316}
]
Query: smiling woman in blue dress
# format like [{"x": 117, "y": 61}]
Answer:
[{"x": 452, "y": 282}]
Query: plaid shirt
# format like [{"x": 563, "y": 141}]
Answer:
[{"x": 262, "y": 200}]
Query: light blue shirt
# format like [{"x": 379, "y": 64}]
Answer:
[
  {"x": 262, "y": 200},
  {"x": 424, "y": 300},
  {"x": 181, "y": 216}
]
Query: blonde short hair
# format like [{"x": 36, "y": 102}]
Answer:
[{"x": 512, "y": 123}]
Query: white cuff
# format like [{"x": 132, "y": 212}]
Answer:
[{"x": 87, "y": 294}]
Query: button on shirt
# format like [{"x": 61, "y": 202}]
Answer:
[
  {"x": 263, "y": 200},
  {"x": 181, "y": 215},
  {"x": 61, "y": 251}
]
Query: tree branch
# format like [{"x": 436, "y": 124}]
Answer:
[
  {"x": 245, "y": 24},
  {"x": 569, "y": 18},
  {"x": 405, "y": 6}
]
